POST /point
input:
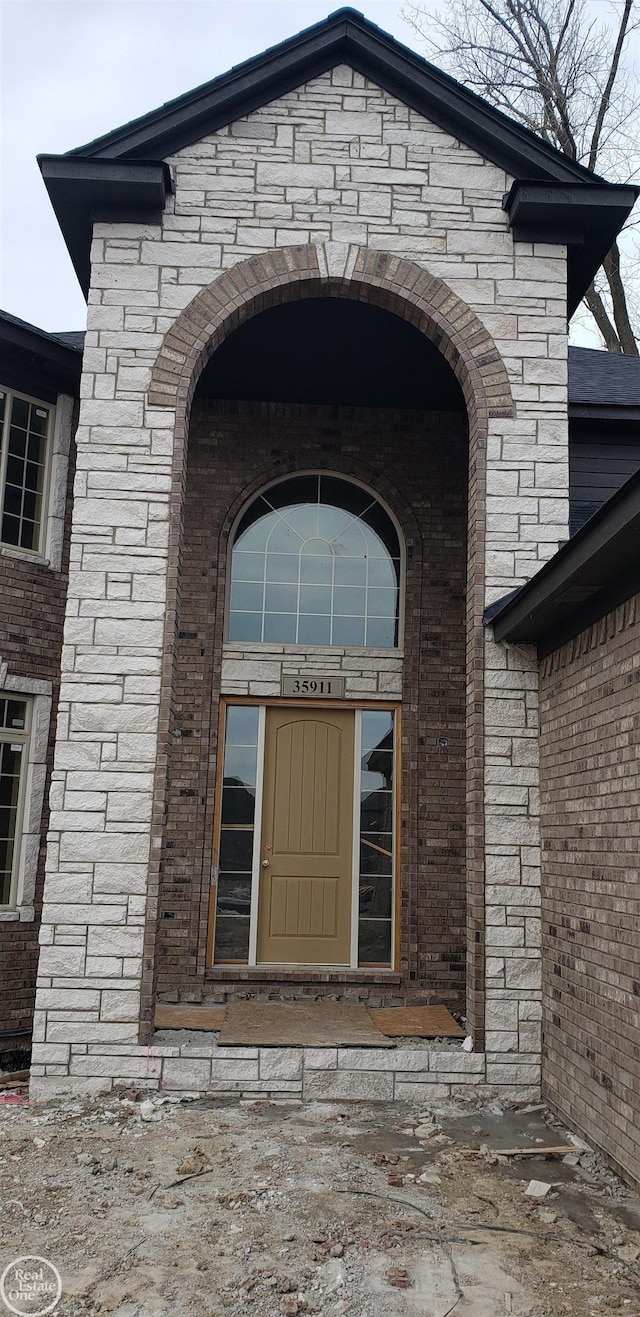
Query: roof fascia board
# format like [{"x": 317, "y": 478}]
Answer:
[
  {"x": 85, "y": 191},
  {"x": 145, "y": 173},
  {"x": 37, "y": 343},
  {"x": 185, "y": 114},
  {"x": 531, "y": 201},
  {"x": 586, "y": 216},
  {"x": 345, "y": 37}
]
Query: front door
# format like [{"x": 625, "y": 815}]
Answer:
[{"x": 306, "y": 846}]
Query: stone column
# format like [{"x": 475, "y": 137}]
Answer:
[{"x": 100, "y": 827}]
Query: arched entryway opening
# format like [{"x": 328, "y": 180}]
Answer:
[{"x": 334, "y": 384}]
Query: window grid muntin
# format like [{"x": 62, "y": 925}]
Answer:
[
  {"x": 14, "y": 731},
  {"x": 372, "y": 539},
  {"x": 8, "y": 440}
]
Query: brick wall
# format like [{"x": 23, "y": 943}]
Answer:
[
  {"x": 590, "y": 777},
  {"x": 418, "y": 462}
]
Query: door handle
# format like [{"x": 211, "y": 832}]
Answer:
[{"x": 266, "y": 864}]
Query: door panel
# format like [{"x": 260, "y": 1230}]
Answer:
[
  {"x": 307, "y": 837},
  {"x": 300, "y": 908}
]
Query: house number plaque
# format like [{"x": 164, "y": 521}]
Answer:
[{"x": 314, "y": 688}]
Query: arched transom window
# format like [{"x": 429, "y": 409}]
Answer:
[{"x": 315, "y": 561}]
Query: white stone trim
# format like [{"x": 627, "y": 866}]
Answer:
[
  {"x": 258, "y": 668},
  {"x": 513, "y": 1009},
  {"x": 316, "y": 1073},
  {"x": 55, "y": 508},
  {"x": 38, "y": 694}
]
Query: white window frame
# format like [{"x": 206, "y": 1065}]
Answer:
[
  {"x": 37, "y": 695},
  {"x": 54, "y": 483}
]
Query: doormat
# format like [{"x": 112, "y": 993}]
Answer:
[
  {"x": 417, "y": 1022},
  {"x": 300, "y": 1024}
]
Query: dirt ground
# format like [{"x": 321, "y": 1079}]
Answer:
[{"x": 214, "y": 1208}]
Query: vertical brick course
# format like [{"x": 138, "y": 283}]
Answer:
[{"x": 590, "y": 780}]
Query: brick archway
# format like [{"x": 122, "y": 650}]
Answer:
[
  {"x": 291, "y": 273},
  {"x": 404, "y": 288}
]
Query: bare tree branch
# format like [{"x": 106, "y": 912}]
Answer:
[
  {"x": 600, "y": 314},
  {"x": 566, "y": 77},
  {"x": 611, "y": 267},
  {"x": 609, "y": 85}
]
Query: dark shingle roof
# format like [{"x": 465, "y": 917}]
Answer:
[
  {"x": 344, "y": 36},
  {"x": 603, "y": 378},
  {"x": 73, "y": 339},
  {"x": 34, "y": 359}
]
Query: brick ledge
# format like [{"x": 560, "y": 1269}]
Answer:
[{"x": 230, "y": 974}]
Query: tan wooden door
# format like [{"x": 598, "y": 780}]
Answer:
[{"x": 304, "y": 912}]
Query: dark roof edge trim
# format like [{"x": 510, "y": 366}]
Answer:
[
  {"x": 22, "y": 336},
  {"x": 83, "y": 192},
  {"x": 345, "y": 36},
  {"x": 608, "y": 411},
  {"x": 594, "y": 608},
  {"x": 78, "y": 170},
  {"x": 555, "y": 192},
  {"x": 584, "y": 215}
]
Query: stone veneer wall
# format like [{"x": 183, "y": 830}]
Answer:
[
  {"x": 417, "y": 462},
  {"x": 336, "y": 164},
  {"x": 590, "y": 778}
]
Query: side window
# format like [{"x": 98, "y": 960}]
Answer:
[
  {"x": 25, "y": 438},
  {"x": 14, "y": 737},
  {"x": 316, "y": 561}
]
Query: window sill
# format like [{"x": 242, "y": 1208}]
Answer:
[
  {"x": 241, "y": 648},
  {"x": 24, "y": 914},
  {"x": 24, "y": 555},
  {"x": 297, "y": 974}
]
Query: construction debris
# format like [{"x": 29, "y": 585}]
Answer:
[
  {"x": 230, "y": 1208},
  {"x": 530, "y": 1152},
  {"x": 14, "y": 1079},
  {"x": 537, "y": 1189}
]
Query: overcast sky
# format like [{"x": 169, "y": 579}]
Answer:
[{"x": 73, "y": 69}]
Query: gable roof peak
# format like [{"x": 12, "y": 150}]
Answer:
[
  {"x": 345, "y": 36},
  {"x": 552, "y": 198}
]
